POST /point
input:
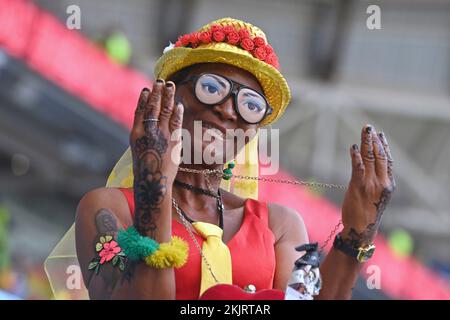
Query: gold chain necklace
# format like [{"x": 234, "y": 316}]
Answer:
[{"x": 219, "y": 174}]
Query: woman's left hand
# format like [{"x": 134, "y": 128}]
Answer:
[{"x": 370, "y": 188}]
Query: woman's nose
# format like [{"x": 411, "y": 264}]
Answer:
[{"x": 226, "y": 110}]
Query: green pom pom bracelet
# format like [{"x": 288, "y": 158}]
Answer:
[{"x": 135, "y": 246}]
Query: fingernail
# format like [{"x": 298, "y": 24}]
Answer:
[
  {"x": 355, "y": 147},
  {"x": 375, "y": 135},
  {"x": 382, "y": 136},
  {"x": 160, "y": 81},
  {"x": 169, "y": 84},
  {"x": 369, "y": 129},
  {"x": 146, "y": 90}
]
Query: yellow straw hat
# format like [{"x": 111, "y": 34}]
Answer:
[{"x": 222, "y": 41}]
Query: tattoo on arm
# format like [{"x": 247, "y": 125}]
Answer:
[
  {"x": 106, "y": 222},
  {"x": 357, "y": 239},
  {"x": 107, "y": 250},
  {"x": 150, "y": 185},
  {"x": 129, "y": 271}
]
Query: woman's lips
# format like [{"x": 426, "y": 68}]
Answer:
[{"x": 215, "y": 127}]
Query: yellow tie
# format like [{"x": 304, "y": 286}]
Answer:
[{"x": 216, "y": 253}]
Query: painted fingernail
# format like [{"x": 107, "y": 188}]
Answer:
[
  {"x": 355, "y": 147},
  {"x": 369, "y": 129},
  {"x": 169, "y": 84},
  {"x": 160, "y": 81},
  {"x": 145, "y": 90}
]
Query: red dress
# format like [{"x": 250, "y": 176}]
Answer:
[{"x": 251, "y": 248}]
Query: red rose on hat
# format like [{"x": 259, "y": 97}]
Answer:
[
  {"x": 244, "y": 33},
  {"x": 215, "y": 27},
  {"x": 218, "y": 36},
  {"x": 194, "y": 40},
  {"x": 247, "y": 44},
  {"x": 233, "y": 38},
  {"x": 184, "y": 39},
  {"x": 260, "y": 53},
  {"x": 227, "y": 29},
  {"x": 259, "y": 42},
  {"x": 272, "y": 59},
  {"x": 178, "y": 43},
  {"x": 268, "y": 48},
  {"x": 205, "y": 37}
]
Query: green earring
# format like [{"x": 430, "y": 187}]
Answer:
[{"x": 227, "y": 173}]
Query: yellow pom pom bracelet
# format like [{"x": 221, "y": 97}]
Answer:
[
  {"x": 157, "y": 255},
  {"x": 171, "y": 254}
]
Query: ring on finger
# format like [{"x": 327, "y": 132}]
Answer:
[{"x": 151, "y": 120}]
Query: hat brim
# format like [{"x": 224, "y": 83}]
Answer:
[{"x": 274, "y": 85}]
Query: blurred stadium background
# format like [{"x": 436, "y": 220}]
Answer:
[{"x": 67, "y": 98}]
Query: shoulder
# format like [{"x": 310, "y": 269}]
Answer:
[
  {"x": 111, "y": 199},
  {"x": 286, "y": 222},
  {"x": 100, "y": 196}
]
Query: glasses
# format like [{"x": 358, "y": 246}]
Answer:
[{"x": 212, "y": 89}]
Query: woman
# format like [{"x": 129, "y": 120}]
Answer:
[{"x": 225, "y": 75}]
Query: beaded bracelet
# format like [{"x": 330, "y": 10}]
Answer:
[{"x": 164, "y": 255}]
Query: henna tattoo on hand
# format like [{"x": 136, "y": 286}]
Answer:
[
  {"x": 382, "y": 203},
  {"x": 154, "y": 141},
  {"x": 142, "y": 102},
  {"x": 177, "y": 115},
  {"x": 369, "y": 155},
  {"x": 357, "y": 239},
  {"x": 381, "y": 152},
  {"x": 150, "y": 185}
]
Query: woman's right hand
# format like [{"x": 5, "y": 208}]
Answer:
[{"x": 156, "y": 154}]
